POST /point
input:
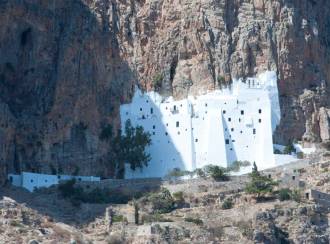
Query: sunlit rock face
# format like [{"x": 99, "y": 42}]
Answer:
[
  {"x": 66, "y": 66},
  {"x": 233, "y": 124}
]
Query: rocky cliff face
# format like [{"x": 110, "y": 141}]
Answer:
[{"x": 65, "y": 66}]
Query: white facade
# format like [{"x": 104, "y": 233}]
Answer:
[
  {"x": 32, "y": 181},
  {"x": 217, "y": 128}
]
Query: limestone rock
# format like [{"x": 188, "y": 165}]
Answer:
[{"x": 65, "y": 66}]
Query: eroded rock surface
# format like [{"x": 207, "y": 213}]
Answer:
[{"x": 65, "y": 66}]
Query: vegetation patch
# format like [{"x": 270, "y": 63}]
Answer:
[
  {"x": 227, "y": 204},
  {"x": 260, "y": 185},
  {"x": 196, "y": 221}
]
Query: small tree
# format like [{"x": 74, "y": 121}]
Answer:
[
  {"x": 260, "y": 184},
  {"x": 128, "y": 147}
]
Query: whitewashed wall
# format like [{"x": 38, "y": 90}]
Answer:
[
  {"x": 217, "y": 128},
  {"x": 32, "y": 181}
]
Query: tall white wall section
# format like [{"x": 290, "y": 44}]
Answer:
[{"x": 217, "y": 128}]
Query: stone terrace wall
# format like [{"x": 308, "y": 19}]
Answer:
[{"x": 121, "y": 184}]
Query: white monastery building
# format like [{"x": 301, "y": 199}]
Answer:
[
  {"x": 216, "y": 128},
  {"x": 32, "y": 181}
]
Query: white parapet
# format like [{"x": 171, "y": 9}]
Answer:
[{"x": 217, "y": 128}]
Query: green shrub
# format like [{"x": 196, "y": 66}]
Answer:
[
  {"x": 119, "y": 218},
  {"x": 158, "y": 80},
  {"x": 162, "y": 202},
  {"x": 289, "y": 149},
  {"x": 216, "y": 172},
  {"x": 227, "y": 204},
  {"x": 284, "y": 194},
  {"x": 196, "y": 221},
  {"x": 200, "y": 173}
]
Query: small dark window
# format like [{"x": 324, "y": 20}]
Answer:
[
  {"x": 154, "y": 133},
  {"x": 242, "y": 112},
  {"x": 319, "y": 196},
  {"x": 174, "y": 107},
  {"x": 259, "y": 120},
  {"x": 239, "y": 120},
  {"x": 31, "y": 181},
  {"x": 307, "y": 195},
  {"x": 143, "y": 117},
  {"x": 229, "y": 119},
  {"x": 293, "y": 177},
  {"x": 196, "y": 140},
  {"x": 177, "y": 124},
  {"x": 166, "y": 124},
  {"x": 180, "y": 105},
  {"x": 154, "y": 127},
  {"x": 140, "y": 109},
  {"x": 88, "y": 186},
  {"x": 254, "y": 131},
  {"x": 259, "y": 111},
  {"x": 231, "y": 149},
  {"x": 233, "y": 140},
  {"x": 224, "y": 111},
  {"x": 178, "y": 132},
  {"x": 45, "y": 180},
  {"x": 166, "y": 133},
  {"x": 11, "y": 179},
  {"x": 227, "y": 141},
  {"x": 166, "y": 108},
  {"x": 58, "y": 177},
  {"x": 205, "y": 104},
  {"x": 269, "y": 176},
  {"x": 241, "y": 132},
  {"x": 151, "y": 110},
  {"x": 232, "y": 129},
  {"x": 147, "y": 101},
  {"x": 225, "y": 129},
  {"x": 126, "y": 113}
]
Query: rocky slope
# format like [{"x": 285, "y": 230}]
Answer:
[
  {"x": 202, "y": 218},
  {"x": 65, "y": 66}
]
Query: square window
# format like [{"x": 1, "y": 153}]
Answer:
[
  {"x": 232, "y": 129},
  {"x": 140, "y": 109},
  {"x": 242, "y": 112},
  {"x": 259, "y": 120},
  {"x": 151, "y": 110},
  {"x": 177, "y": 124},
  {"x": 166, "y": 133},
  {"x": 174, "y": 107},
  {"x": 239, "y": 120},
  {"x": 227, "y": 141},
  {"x": 154, "y": 133},
  {"x": 259, "y": 111},
  {"x": 229, "y": 119},
  {"x": 154, "y": 127},
  {"x": 196, "y": 140},
  {"x": 254, "y": 131},
  {"x": 205, "y": 104},
  {"x": 178, "y": 132},
  {"x": 224, "y": 111}
]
